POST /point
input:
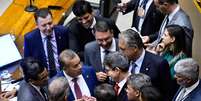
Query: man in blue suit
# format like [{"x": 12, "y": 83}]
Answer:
[
  {"x": 187, "y": 76},
  {"x": 82, "y": 79},
  {"x": 35, "y": 42},
  {"x": 142, "y": 61}
]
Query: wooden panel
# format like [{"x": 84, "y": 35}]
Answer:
[{"x": 18, "y": 22}]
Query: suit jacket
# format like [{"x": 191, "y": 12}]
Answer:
[
  {"x": 79, "y": 35},
  {"x": 89, "y": 76},
  {"x": 123, "y": 94},
  {"x": 33, "y": 45},
  {"x": 195, "y": 95},
  {"x": 28, "y": 93},
  {"x": 158, "y": 69},
  {"x": 182, "y": 19},
  {"x": 152, "y": 21},
  {"x": 92, "y": 55}
]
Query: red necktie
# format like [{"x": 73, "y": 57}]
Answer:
[
  {"x": 77, "y": 89},
  {"x": 116, "y": 88}
]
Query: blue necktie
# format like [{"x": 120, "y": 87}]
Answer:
[{"x": 133, "y": 67}]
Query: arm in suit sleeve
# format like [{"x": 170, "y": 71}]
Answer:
[
  {"x": 86, "y": 55},
  {"x": 27, "y": 48},
  {"x": 130, "y": 6},
  {"x": 165, "y": 80}
]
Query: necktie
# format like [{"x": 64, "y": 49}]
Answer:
[
  {"x": 161, "y": 31},
  {"x": 50, "y": 52},
  {"x": 133, "y": 67},
  {"x": 142, "y": 5},
  {"x": 181, "y": 96},
  {"x": 77, "y": 89},
  {"x": 116, "y": 88},
  {"x": 43, "y": 93}
]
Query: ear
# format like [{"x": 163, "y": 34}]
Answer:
[
  {"x": 173, "y": 39},
  {"x": 138, "y": 93}
]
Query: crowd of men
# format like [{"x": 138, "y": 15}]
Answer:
[{"x": 91, "y": 60}]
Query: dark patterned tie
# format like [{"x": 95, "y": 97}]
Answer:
[
  {"x": 116, "y": 88},
  {"x": 77, "y": 89},
  {"x": 43, "y": 93},
  {"x": 52, "y": 66}
]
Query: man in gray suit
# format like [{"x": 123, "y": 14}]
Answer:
[
  {"x": 96, "y": 50},
  {"x": 174, "y": 15},
  {"x": 35, "y": 78}
]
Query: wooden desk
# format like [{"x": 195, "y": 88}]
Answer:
[{"x": 18, "y": 22}]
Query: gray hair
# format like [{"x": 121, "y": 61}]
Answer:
[
  {"x": 117, "y": 59},
  {"x": 132, "y": 38},
  {"x": 58, "y": 89},
  {"x": 66, "y": 55},
  {"x": 187, "y": 67},
  {"x": 139, "y": 81}
]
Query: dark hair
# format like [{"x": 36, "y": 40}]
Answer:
[
  {"x": 149, "y": 93},
  {"x": 179, "y": 34},
  {"x": 117, "y": 59},
  {"x": 168, "y": 1},
  {"x": 132, "y": 38},
  {"x": 42, "y": 12},
  {"x": 102, "y": 26},
  {"x": 105, "y": 92},
  {"x": 31, "y": 68},
  {"x": 81, "y": 7}
]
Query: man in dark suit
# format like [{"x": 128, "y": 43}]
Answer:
[
  {"x": 145, "y": 62},
  {"x": 36, "y": 41},
  {"x": 187, "y": 76},
  {"x": 95, "y": 51},
  {"x": 174, "y": 15},
  {"x": 81, "y": 27},
  {"x": 146, "y": 18},
  {"x": 82, "y": 79},
  {"x": 117, "y": 66},
  {"x": 35, "y": 78}
]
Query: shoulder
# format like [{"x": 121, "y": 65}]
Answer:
[
  {"x": 91, "y": 45},
  {"x": 32, "y": 34},
  {"x": 153, "y": 58}
]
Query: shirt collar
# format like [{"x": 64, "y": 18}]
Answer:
[
  {"x": 173, "y": 13},
  {"x": 123, "y": 82},
  {"x": 93, "y": 24},
  {"x": 69, "y": 78},
  {"x": 112, "y": 47},
  {"x": 191, "y": 88},
  {"x": 139, "y": 61},
  {"x": 44, "y": 36}
]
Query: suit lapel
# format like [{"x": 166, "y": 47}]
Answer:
[
  {"x": 39, "y": 44},
  {"x": 97, "y": 58},
  {"x": 145, "y": 67}
]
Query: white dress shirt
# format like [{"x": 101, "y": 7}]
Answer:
[
  {"x": 111, "y": 49},
  {"x": 138, "y": 62},
  {"x": 81, "y": 82},
  {"x": 54, "y": 47}
]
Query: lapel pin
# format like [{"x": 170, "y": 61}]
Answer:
[{"x": 146, "y": 69}]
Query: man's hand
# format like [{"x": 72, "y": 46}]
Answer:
[
  {"x": 121, "y": 7},
  {"x": 145, "y": 39},
  {"x": 9, "y": 94},
  {"x": 101, "y": 76}
]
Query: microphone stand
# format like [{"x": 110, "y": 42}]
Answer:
[{"x": 30, "y": 7}]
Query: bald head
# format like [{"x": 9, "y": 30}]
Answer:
[{"x": 58, "y": 89}]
